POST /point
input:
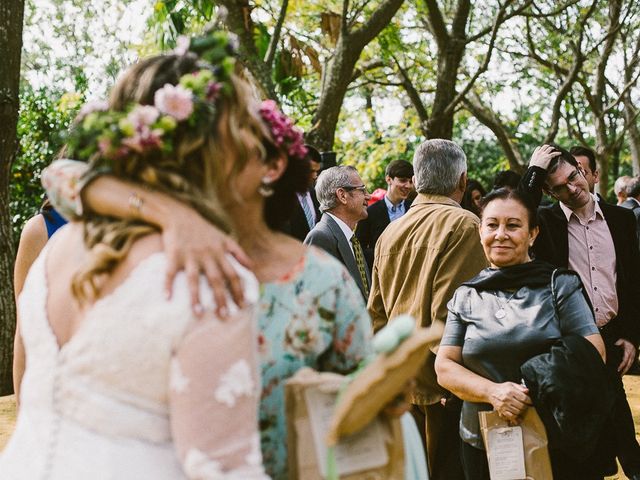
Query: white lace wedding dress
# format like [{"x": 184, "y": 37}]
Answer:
[{"x": 143, "y": 390}]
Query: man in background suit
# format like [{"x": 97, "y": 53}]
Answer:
[
  {"x": 399, "y": 177},
  {"x": 343, "y": 201},
  {"x": 306, "y": 212},
  {"x": 598, "y": 241}
]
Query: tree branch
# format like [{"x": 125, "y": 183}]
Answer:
[
  {"x": 275, "y": 38},
  {"x": 412, "y": 93},
  {"x": 379, "y": 19},
  {"x": 366, "y": 67},
  {"x": 489, "y": 119},
  {"x": 436, "y": 23},
  {"x": 487, "y": 58},
  {"x": 630, "y": 84},
  {"x": 562, "y": 93},
  {"x": 516, "y": 12},
  {"x": 459, "y": 24}
]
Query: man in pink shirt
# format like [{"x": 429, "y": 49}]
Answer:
[{"x": 598, "y": 241}]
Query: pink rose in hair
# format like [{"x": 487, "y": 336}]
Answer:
[
  {"x": 283, "y": 132},
  {"x": 174, "y": 100},
  {"x": 143, "y": 115},
  {"x": 144, "y": 139}
]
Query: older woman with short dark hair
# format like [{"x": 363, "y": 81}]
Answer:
[{"x": 510, "y": 312}]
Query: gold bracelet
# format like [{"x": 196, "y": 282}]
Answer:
[{"x": 135, "y": 204}]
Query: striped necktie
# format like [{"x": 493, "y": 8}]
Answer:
[
  {"x": 357, "y": 252},
  {"x": 311, "y": 218}
]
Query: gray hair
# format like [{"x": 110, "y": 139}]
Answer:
[
  {"x": 622, "y": 184},
  {"x": 633, "y": 189},
  {"x": 328, "y": 182},
  {"x": 438, "y": 165}
]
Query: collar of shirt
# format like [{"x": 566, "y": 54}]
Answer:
[
  {"x": 596, "y": 211},
  {"x": 424, "y": 198},
  {"x": 348, "y": 233},
  {"x": 304, "y": 197},
  {"x": 395, "y": 211}
]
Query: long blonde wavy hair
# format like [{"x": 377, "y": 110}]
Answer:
[{"x": 196, "y": 174}]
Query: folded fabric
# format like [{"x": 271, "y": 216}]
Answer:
[{"x": 571, "y": 390}]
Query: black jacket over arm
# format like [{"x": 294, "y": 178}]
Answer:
[{"x": 552, "y": 245}]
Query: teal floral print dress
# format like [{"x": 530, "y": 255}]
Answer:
[{"x": 314, "y": 317}]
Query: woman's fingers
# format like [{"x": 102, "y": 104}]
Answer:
[
  {"x": 233, "y": 281},
  {"x": 234, "y": 249},
  {"x": 192, "y": 272},
  {"x": 217, "y": 279}
]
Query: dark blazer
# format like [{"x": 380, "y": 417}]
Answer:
[
  {"x": 298, "y": 226},
  {"x": 328, "y": 236},
  {"x": 370, "y": 229},
  {"x": 552, "y": 245}
]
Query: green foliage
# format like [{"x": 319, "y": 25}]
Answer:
[
  {"x": 370, "y": 151},
  {"x": 44, "y": 117}
]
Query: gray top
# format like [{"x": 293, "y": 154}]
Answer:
[{"x": 495, "y": 347}]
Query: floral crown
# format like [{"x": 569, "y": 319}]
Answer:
[
  {"x": 284, "y": 133},
  {"x": 141, "y": 129}
]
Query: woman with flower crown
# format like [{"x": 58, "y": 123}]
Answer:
[
  {"x": 310, "y": 311},
  {"x": 122, "y": 382}
]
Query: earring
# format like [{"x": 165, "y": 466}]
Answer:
[{"x": 265, "y": 189}]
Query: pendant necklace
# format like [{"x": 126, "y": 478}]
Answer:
[{"x": 500, "y": 314}]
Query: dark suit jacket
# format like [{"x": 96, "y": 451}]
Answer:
[
  {"x": 635, "y": 208},
  {"x": 552, "y": 245},
  {"x": 370, "y": 229},
  {"x": 298, "y": 226},
  {"x": 328, "y": 236}
]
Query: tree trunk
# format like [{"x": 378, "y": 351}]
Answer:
[
  {"x": 11, "y": 17},
  {"x": 339, "y": 71},
  {"x": 633, "y": 134},
  {"x": 440, "y": 123},
  {"x": 335, "y": 86}
]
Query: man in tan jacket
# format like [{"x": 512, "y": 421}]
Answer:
[{"x": 419, "y": 262}]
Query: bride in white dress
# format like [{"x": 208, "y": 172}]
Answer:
[{"x": 121, "y": 381}]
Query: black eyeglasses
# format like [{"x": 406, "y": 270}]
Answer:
[
  {"x": 349, "y": 188},
  {"x": 571, "y": 180}
]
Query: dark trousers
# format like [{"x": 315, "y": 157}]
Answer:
[
  {"x": 626, "y": 446},
  {"x": 438, "y": 426},
  {"x": 474, "y": 462}
]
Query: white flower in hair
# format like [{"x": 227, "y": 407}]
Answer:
[
  {"x": 143, "y": 115},
  {"x": 174, "y": 100}
]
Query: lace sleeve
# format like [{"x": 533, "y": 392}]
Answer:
[
  {"x": 214, "y": 395},
  {"x": 64, "y": 180}
]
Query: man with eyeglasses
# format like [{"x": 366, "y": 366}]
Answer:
[
  {"x": 343, "y": 201},
  {"x": 598, "y": 241}
]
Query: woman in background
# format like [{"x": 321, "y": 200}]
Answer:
[
  {"x": 473, "y": 196},
  {"x": 35, "y": 234},
  {"x": 504, "y": 316}
]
